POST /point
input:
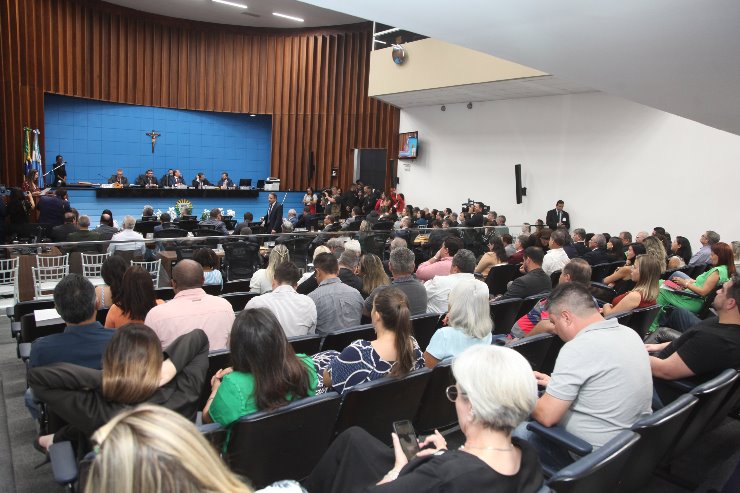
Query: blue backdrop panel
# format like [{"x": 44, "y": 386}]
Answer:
[
  {"x": 98, "y": 137},
  {"x": 86, "y": 203}
]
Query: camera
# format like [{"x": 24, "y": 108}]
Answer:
[{"x": 4, "y": 191}]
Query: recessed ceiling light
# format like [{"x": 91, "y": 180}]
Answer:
[
  {"x": 297, "y": 19},
  {"x": 233, "y": 4},
  {"x": 252, "y": 114}
]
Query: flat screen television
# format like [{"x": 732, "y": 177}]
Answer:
[{"x": 408, "y": 145}]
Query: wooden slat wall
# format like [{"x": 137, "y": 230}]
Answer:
[{"x": 313, "y": 82}]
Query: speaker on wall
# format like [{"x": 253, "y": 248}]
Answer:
[{"x": 520, "y": 190}]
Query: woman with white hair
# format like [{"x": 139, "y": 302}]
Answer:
[
  {"x": 468, "y": 323},
  {"x": 495, "y": 391}
]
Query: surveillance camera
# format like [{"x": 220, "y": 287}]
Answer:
[
  {"x": 470, "y": 106},
  {"x": 443, "y": 108}
]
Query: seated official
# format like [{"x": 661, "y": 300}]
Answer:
[
  {"x": 707, "y": 348},
  {"x": 261, "y": 281},
  {"x": 495, "y": 391},
  {"x": 394, "y": 352},
  {"x": 165, "y": 223},
  {"x": 468, "y": 323},
  {"x": 134, "y": 371},
  {"x": 118, "y": 178},
  {"x": 601, "y": 383},
  {"x": 214, "y": 221},
  {"x": 265, "y": 372},
  {"x": 225, "y": 181},
  {"x": 441, "y": 262},
  {"x": 169, "y": 179},
  {"x": 534, "y": 281},
  {"x": 134, "y": 300},
  {"x": 646, "y": 276},
  {"x": 496, "y": 255},
  {"x": 200, "y": 181},
  {"x": 105, "y": 228},
  {"x": 147, "y": 180},
  {"x": 185, "y": 461}
]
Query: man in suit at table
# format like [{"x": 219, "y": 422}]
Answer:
[
  {"x": 557, "y": 217},
  {"x": 274, "y": 219}
]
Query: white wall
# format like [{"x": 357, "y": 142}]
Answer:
[{"x": 617, "y": 165}]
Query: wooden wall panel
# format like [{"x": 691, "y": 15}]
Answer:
[{"x": 312, "y": 81}]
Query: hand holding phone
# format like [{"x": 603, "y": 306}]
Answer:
[{"x": 407, "y": 438}]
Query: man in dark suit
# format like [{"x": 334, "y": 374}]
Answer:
[
  {"x": 534, "y": 281},
  {"x": 166, "y": 222},
  {"x": 201, "y": 181},
  {"x": 60, "y": 233},
  {"x": 578, "y": 247},
  {"x": 106, "y": 230},
  {"x": 476, "y": 218},
  {"x": 147, "y": 180},
  {"x": 598, "y": 253},
  {"x": 168, "y": 180},
  {"x": 118, "y": 178},
  {"x": 274, "y": 218},
  {"x": 557, "y": 217},
  {"x": 52, "y": 207}
]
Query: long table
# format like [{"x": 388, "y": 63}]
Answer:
[{"x": 175, "y": 193}]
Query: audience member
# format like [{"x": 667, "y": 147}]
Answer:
[
  {"x": 112, "y": 272},
  {"x": 243, "y": 228},
  {"x": 338, "y": 306},
  {"x": 191, "y": 309},
  {"x": 135, "y": 298},
  {"x": 601, "y": 383},
  {"x": 736, "y": 252},
  {"x": 702, "y": 256},
  {"x": 623, "y": 275},
  {"x": 133, "y": 371},
  {"x": 626, "y": 238},
  {"x": 59, "y": 233},
  {"x": 262, "y": 279},
  {"x": 348, "y": 264},
  {"x": 519, "y": 246},
  {"x": 496, "y": 255},
  {"x": 295, "y": 312},
  {"x": 578, "y": 247},
  {"x": 494, "y": 392},
  {"x": 394, "y": 352},
  {"x": 438, "y": 289},
  {"x": 134, "y": 242},
  {"x": 681, "y": 247},
  {"x": 615, "y": 249},
  {"x": 646, "y": 276},
  {"x": 215, "y": 222},
  {"x": 440, "y": 263},
  {"x": 534, "y": 281},
  {"x": 83, "y": 233},
  {"x": 373, "y": 274},
  {"x": 165, "y": 223},
  {"x": 105, "y": 229},
  {"x": 210, "y": 262},
  {"x": 52, "y": 207},
  {"x": 401, "y": 265},
  {"x": 508, "y": 242},
  {"x": 597, "y": 253},
  {"x": 265, "y": 374},
  {"x": 537, "y": 321},
  {"x": 468, "y": 323},
  {"x": 556, "y": 258}
]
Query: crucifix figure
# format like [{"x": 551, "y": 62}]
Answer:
[{"x": 153, "y": 134}]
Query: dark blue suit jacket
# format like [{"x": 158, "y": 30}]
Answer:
[{"x": 81, "y": 345}]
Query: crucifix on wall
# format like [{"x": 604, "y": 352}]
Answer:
[{"x": 153, "y": 134}]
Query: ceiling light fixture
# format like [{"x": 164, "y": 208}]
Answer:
[
  {"x": 232, "y": 4},
  {"x": 387, "y": 31},
  {"x": 297, "y": 19}
]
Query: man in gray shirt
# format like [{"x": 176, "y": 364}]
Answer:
[
  {"x": 601, "y": 383},
  {"x": 402, "y": 266},
  {"x": 702, "y": 256},
  {"x": 338, "y": 306}
]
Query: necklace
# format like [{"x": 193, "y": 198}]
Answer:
[{"x": 508, "y": 449}]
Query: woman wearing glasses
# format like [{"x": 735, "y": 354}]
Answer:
[{"x": 495, "y": 391}]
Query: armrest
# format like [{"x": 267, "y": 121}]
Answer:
[
  {"x": 15, "y": 329},
  {"x": 10, "y": 311},
  {"x": 561, "y": 437},
  {"x": 63, "y": 463},
  {"x": 24, "y": 349}
]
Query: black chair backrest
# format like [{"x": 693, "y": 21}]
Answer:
[
  {"x": 216, "y": 360},
  {"x": 241, "y": 259},
  {"x": 342, "y": 338},
  {"x": 30, "y": 332},
  {"x": 548, "y": 364},
  {"x": 238, "y": 300},
  {"x": 206, "y": 231},
  {"x": 383, "y": 226},
  {"x": 101, "y": 315},
  {"x": 354, "y": 226},
  {"x": 187, "y": 224},
  {"x": 597, "y": 471},
  {"x": 730, "y": 403},
  {"x": 658, "y": 432},
  {"x": 599, "y": 272},
  {"x": 171, "y": 233},
  {"x": 503, "y": 314},
  {"x": 424, "y": 327},
  {"x": 145, "y": 227},
  {"x": 374, "y": 406},
  {"x": 622, "y": 317},
  {"x": 642, "y": 318},
  {"x": 529, "y": 302},
  {"x": 238, "y": 286},
  {"x": 602, "y": 292},
  {"x": 25, "y": 307},
  {"x": 436, "y": 412},
  {"x": 555, "y": 278},
  {"x": 534, "y": 349},
  {"x": 499, "y": 277},
  {"x": 308, "y": 344},
  {"x": 164, "y": 293},
  {"x": 212, "y": 289},
  {"x": 283, "y": 444}
]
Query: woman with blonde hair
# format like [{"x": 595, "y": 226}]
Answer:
[
  {"x": 372, "y": 274},
  {"x": 150, "y": 448},
  {"x": 655, "y": 247},
  {"x": 646, "y": 275},
  {"x": 468, "y": 323},
  {"x": 134, "y": 371},
  {"x": 262, "y": 279}
]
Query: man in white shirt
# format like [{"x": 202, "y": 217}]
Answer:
[
  {"x": 128, "y": 233},
  {"x": 295, "y": 312},
  {"x": 438, "y": 289},
  {"x": 555, "y": 258}
]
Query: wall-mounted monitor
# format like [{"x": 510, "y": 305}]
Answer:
[{"x": 408, "y": 145}]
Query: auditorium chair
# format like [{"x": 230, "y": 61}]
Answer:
[
  {"x": 309, "y": 344},
  {"x": 424, "y": 326},
  {"x": 101, "y": 315},
  {"x": 499, "y": 278},
  {"x": 436, "y": 412},
  {"x": 218, "y": 359},
  {"x": 238, "y": 300},
  {"x": 503, "y": 314},
  {"x": 534, "y": 349},
  {"x": 241, "y": 259},
  {"x": 146, "y": 227},
  {"x": 529, "y": 302},
  {"x": 600, "y": 271},
  {"x": 642, "y": 318},
  {"x": 23, "y": 308},
  {"x": 212, "y": 289},
  {"x": 622, "y": 318},
  {"x": 286, "y": 443},
  {"x": 375, "y": 405},
  {"x": 340, "y": 339},
  {"x": 187, "y": 224},
  {"x": 383, "y": 226},
  {"x": 548, "y": 364},
  {"x": 30, "y": 332},
  {"x": 602, "y": 292},
  {"x": 170, "y": 233},
  {"x": 555, "y": 278},
  {"x": 165, "y": 294},
  {"x": 238, "y": 286}
]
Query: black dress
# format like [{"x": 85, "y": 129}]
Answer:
[{"x": 356, "y": 461}]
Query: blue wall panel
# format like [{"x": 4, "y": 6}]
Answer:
[{"x": 97, "y": 137}]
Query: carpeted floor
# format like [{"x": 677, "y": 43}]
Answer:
[{"x": 709, "y": 464}]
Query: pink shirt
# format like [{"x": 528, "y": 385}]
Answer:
[
  {"x": 192, "y": 309},
  {"x": 427, "y": 270}
]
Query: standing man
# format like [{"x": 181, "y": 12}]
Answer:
[
  {"x": 52, "y": 207},
  {"x": 557, "y": 217},
  {"x": 274, "y": 219},
  {"x": 60, "y": 172}
]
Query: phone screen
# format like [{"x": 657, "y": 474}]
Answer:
[{"x": 407, "y": 436}]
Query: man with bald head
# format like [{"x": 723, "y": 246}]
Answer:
[{"x": 190, "y": 309}]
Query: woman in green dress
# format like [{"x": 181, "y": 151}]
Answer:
[
  {"x": 265, "y": 375},
  {"x": 723, "y": 268}
]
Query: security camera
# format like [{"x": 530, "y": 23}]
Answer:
[
  {"x": 470, "y": 106},
  {"x": 443, "y": 108}
]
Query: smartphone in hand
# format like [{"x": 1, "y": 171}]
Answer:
[{"x": 407, "y": 436}]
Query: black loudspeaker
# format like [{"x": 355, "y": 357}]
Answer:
[{"x": 520, "y": 190}]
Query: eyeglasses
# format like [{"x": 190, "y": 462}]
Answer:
[{"x": 453, "y": 393}]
